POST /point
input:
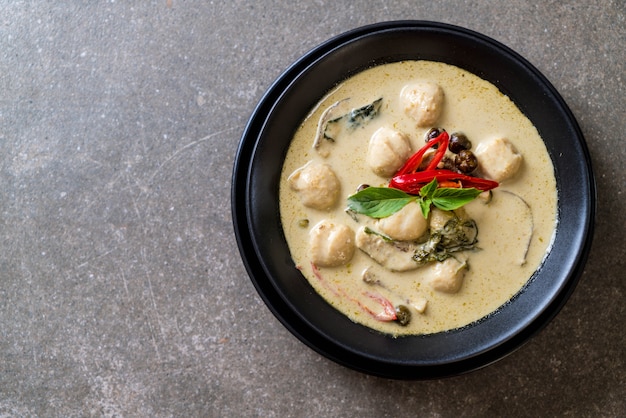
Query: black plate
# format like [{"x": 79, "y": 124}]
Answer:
[{"x": 287, "y": 293}]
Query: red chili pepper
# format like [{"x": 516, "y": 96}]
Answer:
[
  {"x": 388, "y": 312},
  {"x": 444, "y": 138},
  {"x": 412, "y": 182},
  {"x": 416, "y": 159}
]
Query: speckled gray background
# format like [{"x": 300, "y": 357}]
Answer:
[{"x": 121, "y": 289}]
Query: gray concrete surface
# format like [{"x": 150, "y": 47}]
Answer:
[{"x": 121, "y": 289}]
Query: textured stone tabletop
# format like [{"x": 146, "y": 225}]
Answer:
[{"x": 122, "y": 292}]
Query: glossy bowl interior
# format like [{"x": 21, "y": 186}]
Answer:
[{"x": 288, "y": 294}]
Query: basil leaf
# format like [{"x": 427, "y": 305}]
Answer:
[
  {"x": 428, "y": 190},
  {"x": 379, "y": 202},
  {"x": 351, "y": 120},
  {"x": 363, "y": 114},
  {"x": 449, "y": 198},
  {"x": 425, "y": 206}
]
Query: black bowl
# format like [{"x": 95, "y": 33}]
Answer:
[{"x": 288, "y": 294}]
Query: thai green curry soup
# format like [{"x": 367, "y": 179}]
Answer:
[{"x": 417, "y": 198}]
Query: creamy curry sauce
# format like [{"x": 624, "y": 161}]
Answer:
[{"x": 514, "y": 235}]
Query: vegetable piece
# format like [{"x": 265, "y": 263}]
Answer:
[
  {"x": 364, "y": 114},
  {"x": 323, "y": 122},
  {"x": 352, "y": 120},
  {"x": 420, "y": 304},
  {"x": 369, "y": 277},
  {"x": 459, "y": 234},
  {"x": 456, "y": 235},
  {"x": 388, "y": 312},
  {"x": 393, "y": 255},
  {"x": 403, "y": 315}
]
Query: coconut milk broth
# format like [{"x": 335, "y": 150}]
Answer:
[{"x": 472, "y": 106}]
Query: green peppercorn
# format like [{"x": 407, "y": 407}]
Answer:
[{"x": 403, "y": 315}]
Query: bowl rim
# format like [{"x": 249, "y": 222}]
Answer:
[{"x": 489, "y": 345}]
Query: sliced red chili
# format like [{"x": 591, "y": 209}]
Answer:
[
  {"x": 416, "y": 159},
  {"x": 444, "y": 139},
  {"x": 412, "y": 182},
  {"x": 388, "y": 312}
]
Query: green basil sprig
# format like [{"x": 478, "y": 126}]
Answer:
[{"x": 380, "y": 202}]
